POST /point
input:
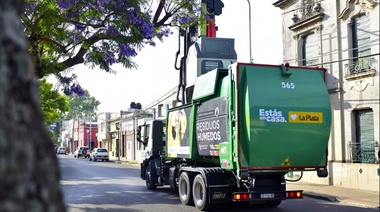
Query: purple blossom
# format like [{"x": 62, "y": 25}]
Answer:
[
  {"x": 110, "y": 58},
  {"x": 112, "y": 31},
  {"x": 73, "y": 14},
  {"x": 75, "y": 37},
  {"x": 147, "y": 29},
  {"x": 77, "y": 89},
  {"x": 73, "y": 89},
  {"x": 31, "y": 5},
  {"x": 118, "y": 4},
  {"x": 127, "y": 51},
  {"x": 66, "y": 80},
  {"x": 65, "y": 4},
  {"x": 80, "y": 27},
  {"x": 184, "y": 20},
  {"x": 103, "y": 2},
  {"x": 165, "y": 32}
]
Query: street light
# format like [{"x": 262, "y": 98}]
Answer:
[{"x": 88, "y": 140}]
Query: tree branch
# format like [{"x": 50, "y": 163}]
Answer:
[{"x": 158, "y": 11}]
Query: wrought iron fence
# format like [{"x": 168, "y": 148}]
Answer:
[
  {"x": 362, "y": 65},
  {"x": 362, "y": 153}
]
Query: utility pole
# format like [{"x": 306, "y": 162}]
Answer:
[{"x": 72, "y": 136}]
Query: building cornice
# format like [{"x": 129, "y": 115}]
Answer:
[
  {"x": 306, "y": 22},
  {"x": 352, "y": 5},
  {"x": 283, "y": 3}
]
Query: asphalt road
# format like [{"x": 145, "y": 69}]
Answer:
[{"x": 108, "y": 186}]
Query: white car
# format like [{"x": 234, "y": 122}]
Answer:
[
  {"x": 61, "y": 150},
  {"x": 99, "y": 154},
  {"x": 81, "y": 151}
]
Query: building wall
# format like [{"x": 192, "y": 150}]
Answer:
[{"x": 348, "y": 92}]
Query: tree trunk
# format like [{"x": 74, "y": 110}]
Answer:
[{"x": 29, "y": 172}]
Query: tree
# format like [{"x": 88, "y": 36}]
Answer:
[
  {"x": 83, "y": 106},
  {"x": 53, "y": 103},
  {"x": 95, "y": 32},
  {"x": 101, "y": 33},
  {"x": 29, "y": 173}
]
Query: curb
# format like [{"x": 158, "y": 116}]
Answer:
[
  {"x": 320, "y": 196},
  {"x": 132, "y": 163}
]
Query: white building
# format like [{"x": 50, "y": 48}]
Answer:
[{"x": 341, "y": 36}]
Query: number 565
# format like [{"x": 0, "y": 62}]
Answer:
[{"x": 288, "y": 85}]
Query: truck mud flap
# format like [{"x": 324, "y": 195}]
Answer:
[{"x": 219, "y": 194}]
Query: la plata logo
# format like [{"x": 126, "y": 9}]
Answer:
[{"x": 305, "y": 117}]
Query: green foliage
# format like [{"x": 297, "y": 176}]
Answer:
[
  {"x": 52, "y": 102},
  {"x": 82, "y": 107}
]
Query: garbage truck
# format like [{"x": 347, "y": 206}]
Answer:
[
  {"x": 241, "y": 128},
  {"x": 244, "y": 129}
]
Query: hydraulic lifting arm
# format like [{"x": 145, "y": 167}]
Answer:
[{"x": 213, "y": 8}]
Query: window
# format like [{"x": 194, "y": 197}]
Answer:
[
  {"x": 363, "y": 150},
  {"x": 160, "y": 110},
  {"x": 361, "y": 64},
  {"x": 361, "y": 40},
  {"x": 310, "y": 50}
]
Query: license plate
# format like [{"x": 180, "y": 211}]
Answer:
[{"x": 267, "y": 196}]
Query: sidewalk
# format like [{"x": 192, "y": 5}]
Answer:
[
  {"x": 337, "y": 194},
  {"x": 124, "y": 161}
]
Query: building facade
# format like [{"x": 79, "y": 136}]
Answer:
[
  {"x": 79, "y": 132},
  {"x": 117, "y": 133},
  {"x": 342, "y": 37}
]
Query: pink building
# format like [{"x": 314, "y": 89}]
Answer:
[{"x": 85, "y": 134}]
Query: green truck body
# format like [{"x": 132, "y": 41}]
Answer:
[{"x": 254, "y": 117}]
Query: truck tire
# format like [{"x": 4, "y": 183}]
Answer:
[
  {"x": 149, "y": 177},
  {"x": 185, "y": 189},
  {"x": 200, "y": 197}
]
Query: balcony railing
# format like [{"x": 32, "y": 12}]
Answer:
[
  {"x": 363, "y": 67},
  {"x": 363, "y": 153}
]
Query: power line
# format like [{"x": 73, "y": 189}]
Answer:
[{"x": 336, "y": 61}]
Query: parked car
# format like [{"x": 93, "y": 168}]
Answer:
[
  {"x": 61, "y": 150},
  {"x": 99, "y": 154},
  {"x": 81, "y": 151}
]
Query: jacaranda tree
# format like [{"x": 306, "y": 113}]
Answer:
[
  {"x": 101, "y": 33},
  {"x": 61, "y": 34}
]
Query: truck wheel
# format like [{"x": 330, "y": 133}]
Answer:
[
  {"x": 200, "y": 193},
  {"x": 184, "y": 189},
  {"x": 150, "y": 184}
]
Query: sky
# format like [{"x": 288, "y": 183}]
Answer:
[{"x": 155, "y": 75}]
